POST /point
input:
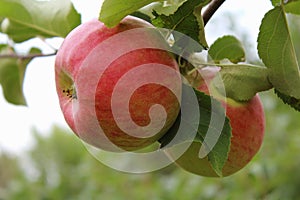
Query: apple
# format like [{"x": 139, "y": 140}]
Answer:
[
  {"x": 248, "y": 124},
  {"x": 118, "y": 88}
]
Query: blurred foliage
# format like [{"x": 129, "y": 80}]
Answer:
[{"x": 59, "y": 167}]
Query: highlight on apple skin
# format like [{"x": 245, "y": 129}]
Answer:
[
  {"x": 118, "y": 88},
  {"x": 247, "y": 121}
]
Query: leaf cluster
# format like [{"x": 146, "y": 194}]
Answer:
[{"x": 23, "y": 20}]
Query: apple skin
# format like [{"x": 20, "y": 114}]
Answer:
[
  {"x": 247, "y": 121},
  {"x": 79, "y": 100}
]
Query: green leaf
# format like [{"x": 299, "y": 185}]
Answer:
[
  {"x": 291, "y": 101},
  {"x": 242, "y": 81},
  {"x": 276, "y": 2},
  {"x": 293, "y": 7},
  {"x": 39, "y": 18},
  {"x": 12, "y": 72},
  {"x": 19, "y": 33},
  {"x": 219, "y": 152},
  {"x": 227, "y": 47},
  {"x": 113, "y": 11},
  {"x": 187, "y": 20},
  {"x": 276, "y": 50},
  {"x": 164, "y": 8},
  {"x": 218, "y": 155},
  {"x": 190, "y": 121}
]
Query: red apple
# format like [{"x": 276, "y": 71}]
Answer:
[
  {"x": 118, "y": 87},
  {"x": 248, "y": 124}
]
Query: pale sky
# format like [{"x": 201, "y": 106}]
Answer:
[{"x": 16, "y": 122}]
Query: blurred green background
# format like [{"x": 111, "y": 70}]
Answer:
[{"x": 58, "y": 167}]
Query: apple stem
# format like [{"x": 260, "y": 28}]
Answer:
[{"x": 211, "y": 9}]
